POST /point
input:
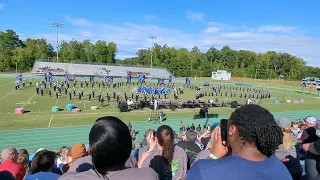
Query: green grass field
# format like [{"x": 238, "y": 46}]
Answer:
[{"x": 74, "y": 127}]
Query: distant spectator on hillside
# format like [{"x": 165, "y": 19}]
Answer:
[
  {"x": 110, "y": 146},
  {"x": 253, "y": 136},
  {"x": 9, "y": 163},
  {"x": 77, "y": 151},
  {"x": 42, "y": 165}
]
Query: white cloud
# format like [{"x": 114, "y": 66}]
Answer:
[
  {"x": 148, "y": 17},
  {"x": 131, "y": 37},
  {"x": 79, "y": 21},
  {"x": 1, "y": 6},
  {"x": 273, "y": 28},
  {"x": 211, "y": 30},
  {"x": 195, "y": 16}
]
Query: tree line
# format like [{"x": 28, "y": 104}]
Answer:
[{"x": 181, "y": 62}]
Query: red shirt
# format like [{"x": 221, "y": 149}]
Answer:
[{"x": 17, "y": 170}]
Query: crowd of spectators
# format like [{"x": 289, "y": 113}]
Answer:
[{"x": 258, "y": 146}]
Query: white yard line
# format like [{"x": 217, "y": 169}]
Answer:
[
  {"x": 28, "y": 100},
  {"x": 7, "y": 95},
  {"x": 6, "y": 84},
  {"x": 50, "y": 120},
  {"x": 111, "y": 105},
  {"x": 56, "y": 102}
]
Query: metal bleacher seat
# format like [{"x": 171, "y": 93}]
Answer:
[{"x": 92, "y": 70}]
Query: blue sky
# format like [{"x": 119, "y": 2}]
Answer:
[{"x": 286, "y": 26}]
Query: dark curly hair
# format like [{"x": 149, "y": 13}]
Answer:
[{"x": 257, "y": 126}]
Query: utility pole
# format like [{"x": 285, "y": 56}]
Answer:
[
  {"x": 152, "y": 39},
  {"x": 57, "y": 25}
]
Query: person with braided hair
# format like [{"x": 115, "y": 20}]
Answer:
[{"x": 251, "y": 139}]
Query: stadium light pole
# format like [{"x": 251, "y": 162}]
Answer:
[
  {"x": 152, "y": 39},
  {"x": 57, "y": 25}
]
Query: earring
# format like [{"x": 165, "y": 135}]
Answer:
[{"x": 230, "y": 134}]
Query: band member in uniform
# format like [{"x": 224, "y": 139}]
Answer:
[
  {"x": 108, "y": 97},
  {"x": 89, "y": 95},
  {"x": 70, "y": 94},
  {"x": 80, "y": 94},
  {"x": 114, "y": 93},
  {"x": 99, "y": 95},
  {"x": 102, "y": 101},
  {"x": 81, "y": 83},
  {"x": 65, "y": 91},
  {"x": 87, "y": 83},
  {"x": 37, "y": 88},
  {"x": 74, "y": 91},
  {"x": 92, "y": 84},
  {"x": 50, "y": 93},
  {"x": 16, "y": 86},
  {"x": 24, "y": 82},
  {"x": 93, "y": 92},
  {"x": 57, "y": 93},
  {"x": 30, "y": 81}
]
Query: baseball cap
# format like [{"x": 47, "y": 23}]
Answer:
[
  {"x": 283, "y": 123},
  {"x": 311, "y": 120},
  {"x": 40, "y": 149}
]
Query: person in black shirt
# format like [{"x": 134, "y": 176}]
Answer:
[
  {"x": 190, "y": 147},
  {"x": 309, "y": 135},
  {"x": 70, "y": 94}
]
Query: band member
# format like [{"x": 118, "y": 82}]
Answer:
[
  {"x": 16, "y": 86},
  {"x": 90, "y": 95},
  {"x": 65, "y": 91},
  {"x": 80, "y": 94},
  {"x": 70, "y": 94},
  {"x": 30, "y": 81},
  {"x": 23, "y": 82},
  {"x": 93, "y": 92},
  {"x": 87, "y": 83},
  {"x": 102, "y": 101},
  {"x": 57, "y": 93},
  {"x": 114, "y": 93},
  {"x": 99, "y": 95},
  {"x": 74, "y": 91},
  {"x": 50, "y": 93},
  {"x": 92, "y": 84},
  {"x": 108, "y": 97},
  {"x": 81, "y": 83},
  {"x": 37, "y": 88},
  {"x": 45, "y": 85}
]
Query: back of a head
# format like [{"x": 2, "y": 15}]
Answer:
[
  {"x": 110, "y": 144},
  {"x": 257, "y": 126},
  {"x": 191, "y": 136},
  {"x": 43, "y": 161},
  {"x": 23, "y": 151},
  {"x": 165, "y": 138},
  {"x": 9, "y": 153},
  {"x": 77, "y": 151}
]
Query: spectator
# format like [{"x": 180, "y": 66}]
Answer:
[
  {"x": 9, "y": 163},
  {"x": 6, "y": 175},
  {"x": 312, "y": 159},
  {"x": 193, "y": 128},
  {"x": 309, "y": 135},
  {"x": 287, "y": 152},
  {"x": 129, "y": 126},
  {"x": 42, "y": 165},
  {"x": 23, "y": 160},
  {"x": 64, "y": 157},
  {"x": 24, "y": 151},
  {"x": 110, "y": 147},
  {"x": 253, "y": 136},
  {"x": 190, "y": 147},
  {"x": 295, "y": 129},
  {"x": 198, "y": 128},
  {"x": 302, "y": 127},
  {"x": 151, "y": 142},
  {"x": 77, "y": 151},
  {"x": 169, "y": 161}
]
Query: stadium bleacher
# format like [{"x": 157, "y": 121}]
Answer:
[{"x": 41, "y": 67}]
